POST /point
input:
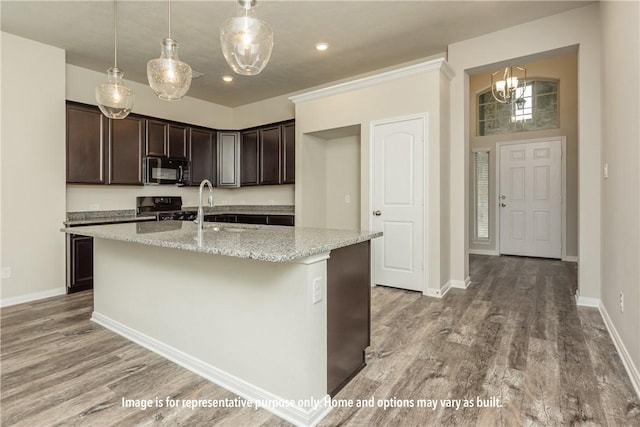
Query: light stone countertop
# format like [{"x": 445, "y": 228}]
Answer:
[{"x": 259, "y": 242}]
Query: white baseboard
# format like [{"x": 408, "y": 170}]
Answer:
[
  {"x": 587, "y": 302},
  {"x": 438, "y": 293},
  {"x": 483, "y": 252},
  {"x": 570, "y": 259},
  {"x": 460, "y": 284},
  {"x": 297, "y": 415},
  {"x": 631, "y": 369},
  {"x": 6, "y": 302}
]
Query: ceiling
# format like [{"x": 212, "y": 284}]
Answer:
[{"x": 363, "y": 36}]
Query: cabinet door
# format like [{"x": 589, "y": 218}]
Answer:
[
  {"x": 288, "y": 153},
  {"x": 228, "y": 159},
  {"x": 203, "y": 156},
  {"x": 80, "y": 263},
  {"x": 269, "y": 155},
  {"x": 157, "y": 138},
  {"x": 281, "y": 220},
  {"x": 86, "y": 136},
  {"x": 178, "y": 141},
  {"x": 251, "y": 219},
  {"x": 249, "y": 158},
  {"x": 125, "y": 150}
]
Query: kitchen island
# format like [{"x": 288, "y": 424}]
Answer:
[{"x": 278, "y": 315}]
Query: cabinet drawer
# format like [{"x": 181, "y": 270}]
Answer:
[{"x": 280, "y": 220}]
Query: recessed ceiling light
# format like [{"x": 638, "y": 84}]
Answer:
[
  {"x": 322, "y": 46},
  {"x": 227, "y": 78}
]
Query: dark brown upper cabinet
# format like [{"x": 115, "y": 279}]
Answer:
[
  {"x": 288, "y": 153},
  {"x": 126, "y": 141},
  {"x": 157, "y": 144},
  {"x": 249, "y": 157},
  {"x": 203, "y": 155},
  {"x": 269, "y": 145},
  {"x": 178, "y": 141},
  {"x": 86, "y": 144}
]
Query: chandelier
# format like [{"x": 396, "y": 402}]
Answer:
[{"x": 507, "y": 86}]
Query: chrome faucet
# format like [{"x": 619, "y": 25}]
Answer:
[{"x": 200, "y": 218}]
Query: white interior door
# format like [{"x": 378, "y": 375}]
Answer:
[
  {"x": 398, "y": 203},
  {"x": 530, "y": 199}
]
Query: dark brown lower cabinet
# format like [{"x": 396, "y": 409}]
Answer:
[
  {"x": 348, "y": 313},
  {"x": 252, "y": 219},
  {"x": 80, "y": 263}
]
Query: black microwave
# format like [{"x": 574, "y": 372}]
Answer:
[{"x": 163, "y": 170}]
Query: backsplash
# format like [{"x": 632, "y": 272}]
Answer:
[{"x": 82, "y": 198}]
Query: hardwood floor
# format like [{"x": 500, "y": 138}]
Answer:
[{"x": 515, "y": 335}]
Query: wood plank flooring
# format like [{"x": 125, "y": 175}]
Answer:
[{"x": 515, "y": 335}]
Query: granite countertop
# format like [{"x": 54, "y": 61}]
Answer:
[
  {"x": 129, "y": 215},
  {"x": 259, "y": 242}
]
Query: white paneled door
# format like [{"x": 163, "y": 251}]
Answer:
[
  {"x": 530, "y": 199},
  {"x": 398, "y": 203}
]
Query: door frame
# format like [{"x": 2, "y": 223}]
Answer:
[
  {"x": 563, "y": 189},
  {"x": 425, "y": 181}
]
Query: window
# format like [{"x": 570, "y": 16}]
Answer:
[
  {"x": 538, "y": 109},
  {"x": 481, "y": 194}
]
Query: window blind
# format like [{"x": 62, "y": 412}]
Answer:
[{"x": 481, "y": 193}]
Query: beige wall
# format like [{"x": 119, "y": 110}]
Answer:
[
  {"x": 81, "y": 83},
  {"x": 33, "y": 169},
  {"x": 270, "y": 110},
  {"x": 621, "y": 191},
  {"x": 361, "y": 106},
  {"x": 565, "y": 69},
  {"x": 526, "y": 43},
  {"x": 343, "y": 182}
]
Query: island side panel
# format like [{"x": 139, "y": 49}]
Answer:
[
  {"x": 348, "y": 313},
  {"x": 253, "y": 320}
]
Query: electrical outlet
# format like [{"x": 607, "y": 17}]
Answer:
[
  {"x": 317, "y": 290},
  {"x": 621, "y": 302},
  {"x": 347, "y": 198},
  {"x": 6, "y": 272},
  {"x": 94, "y": 207}
]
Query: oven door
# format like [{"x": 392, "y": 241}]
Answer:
[{"x": 159, "y": 170}]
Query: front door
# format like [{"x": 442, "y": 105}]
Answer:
[
  {"x": 530, "y": 199},
  {"x": 398, "y": 203}
]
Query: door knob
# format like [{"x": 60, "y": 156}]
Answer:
[
  {"x": 377, "y": 212},
  {"x": 503, "y": 205}
]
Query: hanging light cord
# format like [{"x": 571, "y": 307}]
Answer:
[
  {"x": 169, "y": 13},
  {"x": 115, "y": 36}
]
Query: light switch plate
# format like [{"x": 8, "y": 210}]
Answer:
[
  {"x": 606, "y": 170},
  {"x": 6, "y": 272},
  {"x": 317, "y": 290}
]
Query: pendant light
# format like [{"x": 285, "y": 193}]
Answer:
[
  {"x": 114, "y": 98},
  {"x": 246, "y": 41},
  {"x": 507, "y": 86},
  {"x": 169, "y": 77}
]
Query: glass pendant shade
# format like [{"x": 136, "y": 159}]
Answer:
[
  {"x": 169, "y": 77},
  {"x": 247, "y": 44},
  {"x": 114, "y": 98}
]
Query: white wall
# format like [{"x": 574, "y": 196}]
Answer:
[
  {"x": 621, "y": 191},
  {"x": 81, "y": 84},
  {"x": 33, "y": 169},
  {"x": 360, "y": 105},
  {"x": 576, "y": 27}
]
